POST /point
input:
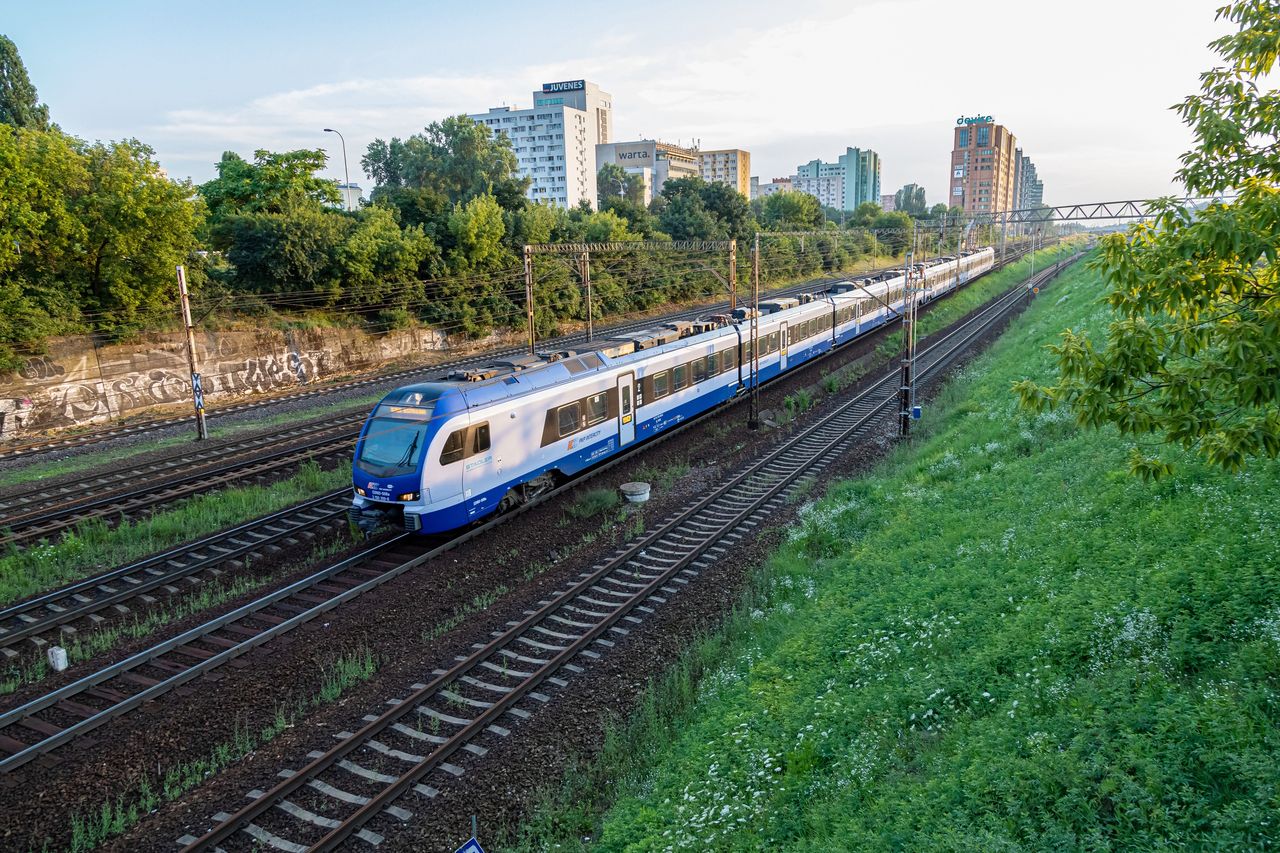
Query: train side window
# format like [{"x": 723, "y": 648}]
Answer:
[
  {"x": 729, "y": 359},
  {"x": 699, "y": 370},
  {"x": 679, "y": 377},
  {"x": 597, "y": 408},
  {"x": 480, "y": 438},
  {"x": 455, "y": 447},
  {"x": 661, "y": 384},
  {"x": 568, "y": 419},
  {"x": 713, "y": 364}
]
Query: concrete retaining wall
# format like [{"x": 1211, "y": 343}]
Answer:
[{"x": 77, "y": 382}]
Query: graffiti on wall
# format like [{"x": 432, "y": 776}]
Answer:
[{"x": 78, "y": 383}]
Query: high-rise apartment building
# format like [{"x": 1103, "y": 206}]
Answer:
[
  {"x": 730, "y": 166},
  {"x": 1028, "y": 188},
  {"x": 853, "y": 179},
  {"x": 555, "y": 141},
  {"x": 983, "y": 166}
]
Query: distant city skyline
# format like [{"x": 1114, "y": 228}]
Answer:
[{"x": 1086, "y": 90}]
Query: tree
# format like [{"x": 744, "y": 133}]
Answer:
[
  {"x": 614, "y": 182},
  {"x": 910, "y": 200},
  {"x": 293, "y": 250},
  {"x": 272, "y": 183},
  {"x": 864, "y": 215},
  {"x": 893, "y": 229},
  {"x": 730, "y": 208},
  {"x": 89, "y": 230},
  {"x": 694, "y": 209},
  {"x": 457, "y": 158},
  {"x": 19, "y": 104},
  {"x": 1192, "y": 357},
  {"x": 138, "y": 226},
  {"x": 791, "y": 211},
  {"x": 379, "y": 262},
  {"x": 685, "y": 217}
]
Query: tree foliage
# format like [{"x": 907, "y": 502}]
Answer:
[
  {"x": 89, "y": 236},
  {"x": 910, "y": 200},
  {"x": 791, "y": 211},
  {"x": 19, "y": 104},
  {"x": 456, "y": 159},
  {"x": 272, "y": 183},
  {"x": 614, "y": 182},
  {"x": 1192, "y": 357}
]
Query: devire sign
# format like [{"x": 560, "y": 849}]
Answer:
[
  {"x": 564, "y": 86},
  {"x": 973, "y": 120}
]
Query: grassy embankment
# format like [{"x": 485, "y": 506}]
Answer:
[{"x": 999, "y": 640}]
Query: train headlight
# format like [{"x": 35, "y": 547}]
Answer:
[
  {"x": 408, "y": 496},
  {"x": 361, "y": 492}
]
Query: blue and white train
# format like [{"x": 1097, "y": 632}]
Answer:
[{"x": 438, "y": 455}]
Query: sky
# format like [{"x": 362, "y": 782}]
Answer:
[{"x": 1085, "y": 86}]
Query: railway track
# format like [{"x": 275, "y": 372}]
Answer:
[
  {"x": 15, "y": 451},
  {"x": 45, "y": 512},
  {"x": 410, "y": 747},
  {"x": 63, "y": 715},
  {"x": 57, "y": 616}
]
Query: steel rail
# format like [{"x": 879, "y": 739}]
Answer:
[
  {"x": 34, "y": 525},
  {"x": 688, "y": 535},
  {"x": 55, "y": 611},
  {"x": 44, "y": 497}
]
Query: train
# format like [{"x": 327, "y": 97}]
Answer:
[{"x": 445, "y": 453}]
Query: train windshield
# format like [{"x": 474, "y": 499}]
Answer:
[{"x": 394, "y": 442}]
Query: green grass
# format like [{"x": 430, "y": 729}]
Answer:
[
  {"x": 662, "y": 479},
  {"x": 999, "y": 640},
  {"x": 593, "y": 502},
  {"x": 94, "y": 547},
  {"x": 113, "y": 817}
]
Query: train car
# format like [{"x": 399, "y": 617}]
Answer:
[{"x": 441, "y": 454}]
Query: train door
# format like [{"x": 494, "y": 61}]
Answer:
[
  {"x": 782, "y": 347},
  {"x": 626, "y": 409}
]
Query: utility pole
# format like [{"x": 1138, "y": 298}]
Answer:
[
  {"x": 906, "y": 388},
  {"x": 197, "y": 389},
  {"x": 1004, "y": 222},
  {"x": 584, "y": 269},
  {"x": 733, "y": 274},
  {"x": 753, "y": 416},
  {"x": 528, "y": 293}
]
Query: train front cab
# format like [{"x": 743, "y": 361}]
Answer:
[{"x": 387, "y": 468}]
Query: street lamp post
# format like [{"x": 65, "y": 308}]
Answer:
[{"x": 346, "y": 193}]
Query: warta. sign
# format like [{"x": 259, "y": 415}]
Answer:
[
  {"x": 971, "y": 119},
  {"x": 565, "y": 86}
]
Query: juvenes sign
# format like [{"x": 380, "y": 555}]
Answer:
[{"x": 564, "y": 86}]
